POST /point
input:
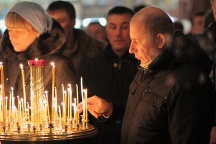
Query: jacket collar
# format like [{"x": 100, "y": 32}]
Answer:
[
  {"x": 111, "y": 56},
  {"x": 184, "y": 51}
]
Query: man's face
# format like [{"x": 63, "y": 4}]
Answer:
[
  {"x": 118, "y": 31},
  {"x": 143, "y": 46},
  {"x": 64, "y": 20},
  {"x": 198, "y": 24},
  {"x": 214, "y": 8},
  {"x": 21, "y": 38},
  {"x": 96, "y": 31}
]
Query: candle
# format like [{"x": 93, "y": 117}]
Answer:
[
  {"x": 10, "y": 108},
  {"x": 6, "y": 101},
  {"x": 47, "y": 105},
  {"x": 2, "y": 91},
  {"x": 19, "y": 109},
  {"x": 22, "y": 109},
  {"x": 28, "y": 113},
  {"x": 86, "y": 108},
  {"x": 24, "y": 87},
  {"x": 75, "y": 109},
  {"x": 12, "y": 103},
  {"x": 77, "y": 94},
  {"x": 53, "y": 87},
  {"x": 59, "y": 109},
  {"x": 83, "y": 101},
  {"x": 65, "y": 104},
  {"x": 1, "y": 104},
  {"x": 68, "y": 101},
  {"x": 56, "y": 104}
]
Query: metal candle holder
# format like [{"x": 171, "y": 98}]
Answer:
[{"x": 33, "y": 122}]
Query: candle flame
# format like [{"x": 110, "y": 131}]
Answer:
[
  {"x": 53, "y": 64},
  {"x": 21, "y": 66}
]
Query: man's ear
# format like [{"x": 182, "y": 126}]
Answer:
[
  {"x": 161, "y": 40},
  {"x": 73, "y": 22}
]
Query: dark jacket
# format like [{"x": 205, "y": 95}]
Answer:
[
  {"x": 48, "y": 47},
  {"x": 109, "y": 77},
  {"x": 173, "y": 102},
  {"x": 210, "y": 33}
]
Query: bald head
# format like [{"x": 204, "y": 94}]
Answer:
[{"x": 153, "y": 21}]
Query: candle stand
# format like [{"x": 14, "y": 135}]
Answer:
[{"x": 33, "y": 122}]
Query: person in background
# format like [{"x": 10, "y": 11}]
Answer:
[
  {"x": 79, "y": 46},
  {"x": 109, "y": 74},
  {"x": 97, "y": 31},
  {"x": 197, "y": 23},
  {"x": 171, "y": 99},
  {"x": 32, "y": 34},
  {"x": 139, "y": 7}
]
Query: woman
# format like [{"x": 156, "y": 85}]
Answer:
[{"x": 31, "y": 33}]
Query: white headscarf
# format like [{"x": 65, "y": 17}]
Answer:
[{"x": 35, "y": 15}]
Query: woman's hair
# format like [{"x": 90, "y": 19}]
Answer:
[{"x": 14, "y": 20}]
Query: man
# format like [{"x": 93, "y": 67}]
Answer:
[
  {"x": 97, "y": 31},
  {"x": 211, "y": 30},
  {"x": 109, "y": 74},
  {"x": 79, "y": 46},
  {"x": 171, "y": 98},
  {"x": 197, "y": 22}
]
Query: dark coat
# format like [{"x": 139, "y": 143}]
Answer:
[
  {"x": 173, "y": 102},
  {"x": 48, "y": 47},
  {"x": 109, "y": 77}
]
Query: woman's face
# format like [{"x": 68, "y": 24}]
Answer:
[{"x": 22, "y": 38}]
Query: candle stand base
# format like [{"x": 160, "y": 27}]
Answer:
[{"x": 56, "y": 137}]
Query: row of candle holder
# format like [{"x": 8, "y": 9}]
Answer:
[{"x": 35, "y": 116}]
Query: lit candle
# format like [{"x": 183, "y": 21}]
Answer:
[
  {"x": 19, "y": 109},
  {"x": 69, "y": 101},
  {"x": 59, "y": 109},
  {"x": 22, "y": 109},
  {"x": 77, "y": 94},
  {"x": 12, "y": 102},
  {"x": 65, "y": 105},
  {"x": 83, "y": 101},
  {"x": 47, "y": 105},
  {"x": 10, "y": 107},
  {"x": 53, "y": 87},
  {"x": 28, "y": 113},
  {"x": 2, "y": 90},
  {"x": 24, "y": 87},
  {"x": 56, "y": 103}
]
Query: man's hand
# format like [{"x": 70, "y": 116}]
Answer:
[{"x": 97, "y": 106}]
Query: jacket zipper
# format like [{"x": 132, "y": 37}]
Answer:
[{"x": 138, "y": 105}]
